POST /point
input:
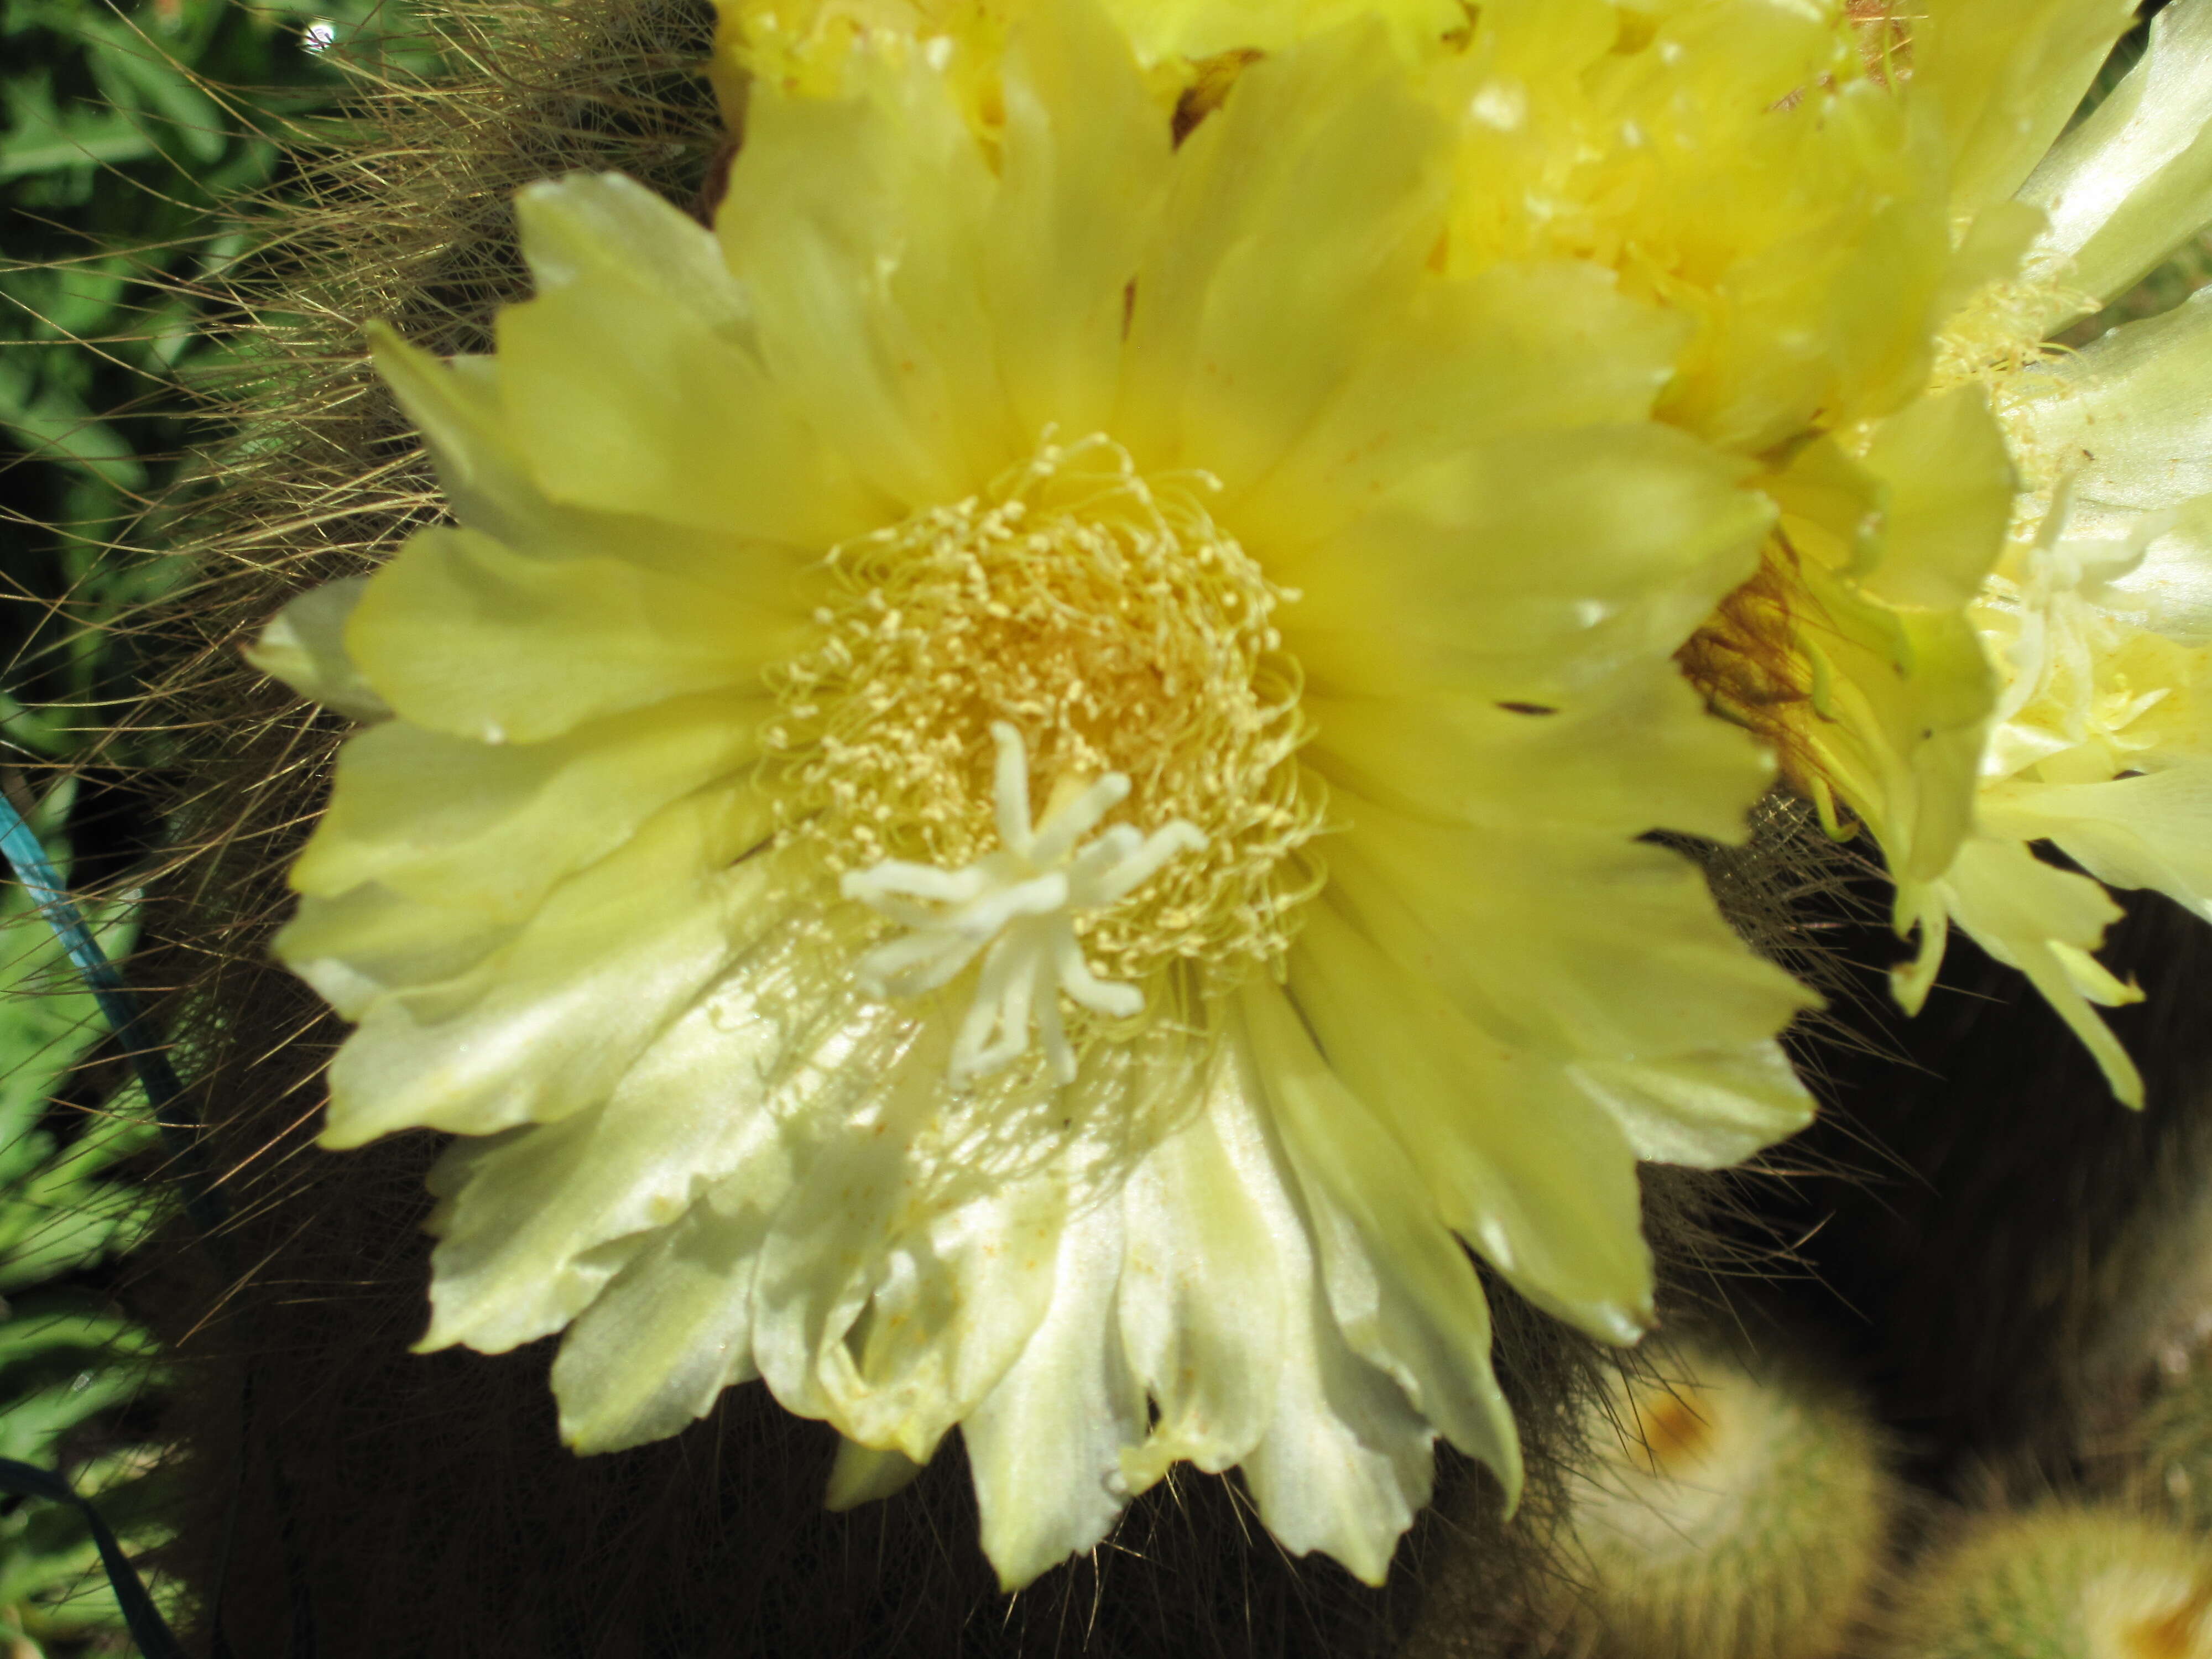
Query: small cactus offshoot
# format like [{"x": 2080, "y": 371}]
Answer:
[
  {"x": 1725, "y": 1516},
  {"x": 2058, "y": 1582}
]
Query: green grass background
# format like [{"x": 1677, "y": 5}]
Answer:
[{"x": 128, "y": 136}]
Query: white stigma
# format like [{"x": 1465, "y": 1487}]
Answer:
[{"x": 1016, "y": 908}]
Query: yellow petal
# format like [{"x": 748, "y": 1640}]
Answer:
[
  {"x": 1525, "y": 1166},
  {"x": 632, "y": 380},
  {"x": 1947, "y": 487},
  {"x": 1084, "y": 167},
  {"x": 1527, "y": 569},
  {"x": 2153, "y": 830},
  {"x": 1516, "y": 348},
  {"x": 355, "y": 948},
  {"x": 857, "y": 225},
  {"x": 1325, "y": 151},
  {"x": 2046, "y": 921},
  {"x": 470, "y": 826},
  {"x": 2006, "y": 75},
  {"x": 864, "y": 1474},
  {"x": 2127, "y": 415},
  {"x": 304, "y": 646},
  {"x": 1045, "y": 1445},
  {"x": 656, "y": 1349},
  {"x": 1708, "y": 1110},
  {"x": 2134, "y": 180},
  {"x": 1345, "y": 1461},
  {"x": 1202, "y": 1294},
  {"x": 532, "y": 1225},
  {"x": 547, "y": 1023},
  {"x": 885, "y": 1307},
  {"x": 1598, "y": 945},
  {"x": 1400, "y": 1286},
  {"x": 463, "y": 635},
  {"x": 1634, "y": 753}
]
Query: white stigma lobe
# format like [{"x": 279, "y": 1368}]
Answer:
[{"x": 1016, "y": 908}]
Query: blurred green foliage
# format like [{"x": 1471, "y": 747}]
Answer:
[
  {"x": 127, "y": 134},
  {"x": 124, "y": 133},
  {"x": 74, "y": 1372}
]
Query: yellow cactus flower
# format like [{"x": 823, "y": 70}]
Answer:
[
  {"x": 1860, "y": 211},
  {"x": 1020, "y": 800}
]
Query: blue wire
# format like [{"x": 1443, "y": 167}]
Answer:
[{"x": 27, "y": 856}]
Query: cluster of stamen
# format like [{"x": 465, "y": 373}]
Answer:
[{"x": 1125, "y": 645}]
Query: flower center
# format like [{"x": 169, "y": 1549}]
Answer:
[
  {"x": 1084, "y": 636},
  {"x": 1021, "y": 902}
]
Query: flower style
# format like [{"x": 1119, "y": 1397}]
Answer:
[
  {"x": 1021, "y": 903},
  {"x": 1019, "y": 801}
]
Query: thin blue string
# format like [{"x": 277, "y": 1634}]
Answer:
[{"x": 27, "y": 856}]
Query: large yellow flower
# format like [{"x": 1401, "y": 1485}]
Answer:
[
  {"x": 1019, "y": 798},
  {"x": 1964, "y": 635},
  {"x": 1824, "y": 195}
]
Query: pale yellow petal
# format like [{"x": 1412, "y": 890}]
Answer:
[
  {"x": 1519, "y": 1162},
  {"x": 1347, "y": 1462},
  {"x": 2153, "y": 830},
  {"x": 1201, "y": 1307},
  {"x": 1635, "y": 752},
  {"x": 355, "y": 948},
  {"x": 531, "y": 1224},
  {"x": 1197, "y": 29},
  {"x": 463, "y": 634},
  {"x": 1084, "y": 167},
  {"x": 493, "y": 827},
  {"x": 2005, "y": 76},
  {"x": 1327, "y": 150},
  {"x": 2046, "y": 921},
  {"x": 304, "y": 646},
  {"x": 1594, "y": 945},
  {"x": 857, "y": 226},
  {"x": 461, "y": 410},
  {"x": 1896, "y": 712},
  {"x": 657, "y": 1348},
  {"x": 884, "y": 1308},
  {"x": 2134, "y": 180},
  {"x": 2126, "y": 416},
  {"x": 1516, "y": 348},
  {"x": 865, "y": 1475},
  {"x": 632, "y": 382},
  {"x": 2170, "y": 589},
  {"x": 1707, "y": 1110},
  {"x": 1045, "y": 1445},
  {"x": 548, "y": 1024},
  {"x": 1527, "y": 569},
  {"x": 1400, "y": 1286},
  {"x": 1946, "y": 486},
  {"x": 457, "y": 407}
]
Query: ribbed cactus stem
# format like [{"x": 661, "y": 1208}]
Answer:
[
  {"x": 2059, "y": 1582},
  {"x": 1727, "y": 1515}
]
